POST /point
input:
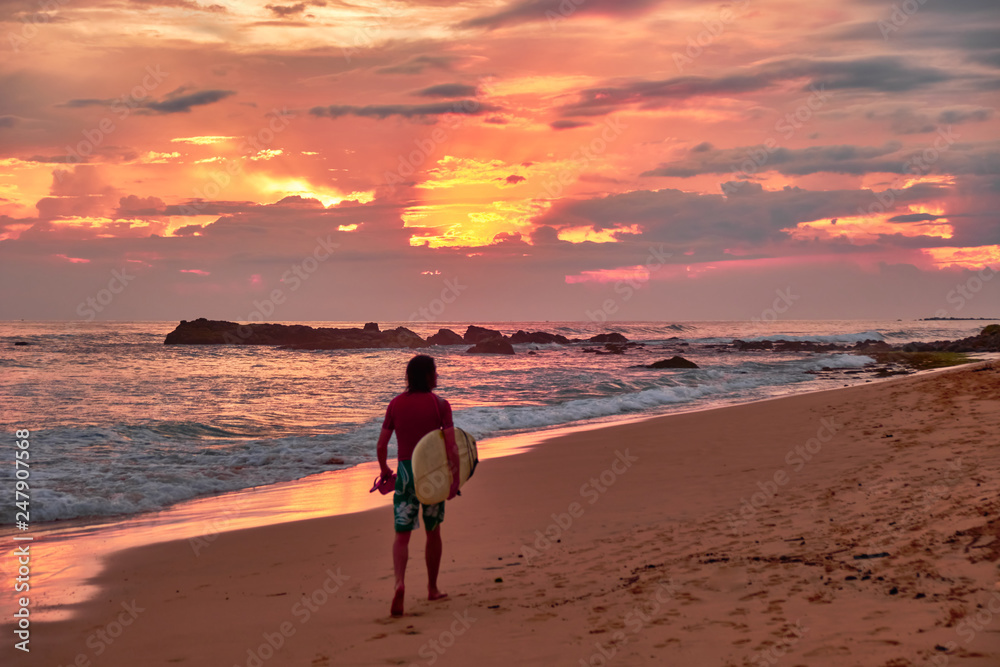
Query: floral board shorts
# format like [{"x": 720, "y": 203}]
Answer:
[{"x": 407, "y": 506}]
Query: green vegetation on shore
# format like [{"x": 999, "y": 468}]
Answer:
[{"x": 921, "y": 361}]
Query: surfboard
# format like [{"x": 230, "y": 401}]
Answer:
[{"x": 431, "y": 473}]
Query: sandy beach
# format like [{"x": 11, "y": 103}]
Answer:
[{"x": 850, "y": 527}]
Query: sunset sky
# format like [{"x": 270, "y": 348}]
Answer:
[{"x": 495, "y": 160}]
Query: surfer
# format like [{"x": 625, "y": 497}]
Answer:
[{"x": 412, "y": 415}]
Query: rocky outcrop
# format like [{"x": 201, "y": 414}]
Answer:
[
  {"x": 445, "y": 337},
  {"x": 608, "y": 338},
  {"x": 492, "y": 346},
  {"x": 476, "y": 334},
  {"x": 293, "y": 336},
  {"x": 673, "y": 362},
  {"x": 539, "y": 337},
  {"x": 987, "y": 340}
]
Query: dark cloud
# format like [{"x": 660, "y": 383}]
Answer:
[
  {"x": 514, "y": 179},
  {"x": 180, "y": 103},
  {"x": 8, "y": 121},
  {"x": 464, "y": 107},
  {"x": 133, "y": 205},
  {"x": 286, "y": 10},
  {"x": 756, "y": 216},
  {"x": 958, "y": 116},
  {"x": 174, "y": 102},
  {"x": 703, "y": 147},
  {"x": 915, "y": 217},
  {"x": 877, "y": 73},
  {"x": 418, "y": 64},
  {"x": 202, "y": 207},
  {"x": 891, "y": 158},
  {"x": 528, "y": 11},
  {"x": 567, "y": 124},
  {"x": 449, "y": 90}
]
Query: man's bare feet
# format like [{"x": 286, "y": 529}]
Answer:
[
  {"x": 397, "y": 602},
  {"x": 435, "y": 594}
]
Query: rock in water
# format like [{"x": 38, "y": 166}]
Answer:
[
  {"x": 673, "y": 362},
  {"x": 445, "y": 337},
  {"x": 539, "y": 337},
  {"x": 295, "y": 336},
  {"x": 476, "y": 334},
  {"x": 492, "y": 346},
  {"x": 608, "y": 338}
]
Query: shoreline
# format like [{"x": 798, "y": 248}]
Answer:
[
  {"x": 590, "y": 450},
  {"x": 200, "y": 520}
]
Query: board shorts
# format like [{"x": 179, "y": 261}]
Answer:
[{"x": 407, "y": 506}]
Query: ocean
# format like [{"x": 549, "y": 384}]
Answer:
[{"x": 122, "y": 424}]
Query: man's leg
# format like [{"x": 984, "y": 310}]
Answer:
[
  {"x": 400, "y": 554},
  {"x": 433, "y": 558}
]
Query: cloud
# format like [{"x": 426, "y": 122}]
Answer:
[
  {"x": 178, "y": 103},
  {"x": 174, "y": 102},
  {"x": 381, "y": 111},
  {"x": 8, "y": 121},
  {"x": 877, "y": 73},
  {"x": 529, "y": 11},
  {"x": 418, "y": 64},
  {"x": 449, "y": 90},
  {"x": 180, "y": 4},
  {"x": 514, "y": 179},
  {"x": 891, "y": 158},
  {"x": 915, "y": 217},
  {"x": 567, "y": 124},
  {"x": 286, "y": 10}
]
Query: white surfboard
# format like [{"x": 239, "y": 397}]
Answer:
[{"x": 431, "y": 473}]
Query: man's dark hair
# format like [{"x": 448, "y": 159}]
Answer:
[{"x": 420, "y": 373}]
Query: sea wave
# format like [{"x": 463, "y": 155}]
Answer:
[
  {"x": 829, "y": 338},
  {"x": 130, "y": 468}
]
